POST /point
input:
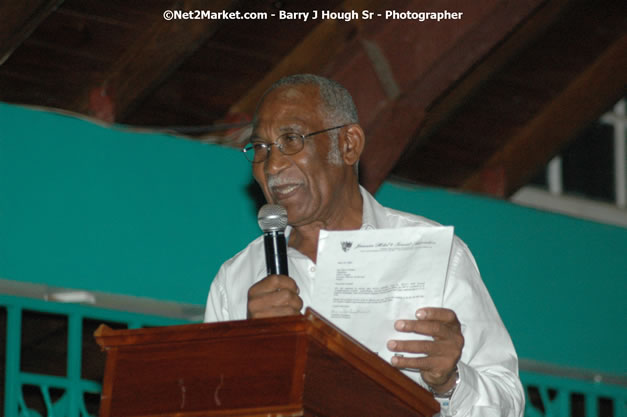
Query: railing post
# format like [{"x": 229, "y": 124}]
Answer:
[
  {"x": 12, "y": 368},
  {"x": 591, "y": 404},
  {"x": 564, "y": 395},
  {"x": 74, "y": 358},
  {"x": 619, "y": 407}
]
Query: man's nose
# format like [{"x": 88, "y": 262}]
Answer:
[{"x": 276, "y": 160}]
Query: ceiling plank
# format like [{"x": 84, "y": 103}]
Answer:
[
  {"x": 18, "y": 19},
  {"x": 320, "y": 46},
  {"x": 389, "y": 134},
  {"x": 467, "y": 150},
  {"x": 587, "y": 96},
  {"x": 445, "y": 105},
  {"x": 149, "y": 60}
]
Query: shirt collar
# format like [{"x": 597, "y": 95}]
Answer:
[{"x": 368, "y": 220}]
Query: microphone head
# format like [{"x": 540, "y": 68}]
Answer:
[{"x": 272, "y": 218}]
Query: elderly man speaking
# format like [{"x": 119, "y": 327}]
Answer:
[{"x": 304, "y": 150}]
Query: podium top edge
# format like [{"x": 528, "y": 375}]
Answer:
[{"x": 108, "y": 338}]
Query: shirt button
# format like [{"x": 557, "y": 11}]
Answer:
[{"x": 312, "y": 269}]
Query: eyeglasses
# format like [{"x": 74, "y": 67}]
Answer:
[{"x": 287, "y": 143}]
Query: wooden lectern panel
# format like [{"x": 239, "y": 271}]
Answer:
[{"x": 287, "y": 366}]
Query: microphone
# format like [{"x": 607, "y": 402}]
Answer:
[{"x": 272, "y": 219}]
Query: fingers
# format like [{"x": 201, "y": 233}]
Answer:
[
  {"x": 437, "y": 362},
  {"x": 436, "y": 322},
  {"x": 275, "y": 312},
  {"x": 444, "y": 315},
  {"x": 273, "y": 296},
  {"x": 433, "y": 355},
  {"x": 435, "y": 329},
  {"x": 425, "y": 347},
  {"x": 424, "y": 363},
  {"x": 438, "y": 371},
  {"x": 439, "y": 356}
]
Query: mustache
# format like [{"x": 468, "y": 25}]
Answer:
[{"x": 274, "y": 181}]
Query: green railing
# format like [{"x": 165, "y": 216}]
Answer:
[
  {"x": 549, "y": 392},
  {"x": 550, "y": 395},
  {"x": 70, "y": 389}
]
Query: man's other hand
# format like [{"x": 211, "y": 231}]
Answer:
[
  {"x": 442, "y": 354},
  {"x": 274, "y": 296}
]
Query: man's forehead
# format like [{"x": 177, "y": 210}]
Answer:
[
  {"x": 286, "y": 126},
  {"x": 289, "y": 105}
]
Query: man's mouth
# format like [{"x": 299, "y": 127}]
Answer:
[{"x": 281, "y": 192}]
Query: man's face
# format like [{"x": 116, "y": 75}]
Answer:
[{"x": 305, "y": 183}]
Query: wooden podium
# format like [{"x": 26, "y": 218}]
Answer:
[{"x": 287, "y": 366}]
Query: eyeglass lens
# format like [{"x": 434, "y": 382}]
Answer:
[{"x": 288, "y": 144}]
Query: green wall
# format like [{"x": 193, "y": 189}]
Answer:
[
  {"x": 559, "y": 282},
  {"x": 82, "y": 206}
]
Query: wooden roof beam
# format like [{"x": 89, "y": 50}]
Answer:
[
  {"x": 587, "y": 96},
  {"x": 18, "y": 19},
  {"x": 426, "y": 62},
  {"x": 148, "y": 61},
  {"x": 311, "y": 55},
  {"x": 445, "y": 105}
]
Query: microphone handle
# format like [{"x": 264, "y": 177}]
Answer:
[{"x": 276, "y": 252}]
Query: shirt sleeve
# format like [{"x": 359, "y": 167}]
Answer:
[
  {"x": 489, "y": 383},
  {"x": 217, "y": 302}
]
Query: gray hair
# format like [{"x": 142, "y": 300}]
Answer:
[{"x": 338, "y": 107}]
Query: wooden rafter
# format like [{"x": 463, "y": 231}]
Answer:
[
  {"x": 18, "y": 19},
  {"x": 151, "y": 58},
  {"x": 588, "y": 94},
  {"x": 391, "y": 133},
  {"x": 523, "y": 114},
  {"x": 319, "y": 47},
  {"x": 446, "y": 104}
]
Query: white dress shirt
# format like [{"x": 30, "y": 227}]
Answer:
[{"x": 488, "y": 368}]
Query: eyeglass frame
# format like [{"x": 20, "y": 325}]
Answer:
[{"x": 269, "y": 145}]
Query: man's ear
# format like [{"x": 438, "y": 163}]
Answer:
[{"x": 353, "y": 144}]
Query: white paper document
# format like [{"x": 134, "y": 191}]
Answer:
[{"x": 368, "y": 279}]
